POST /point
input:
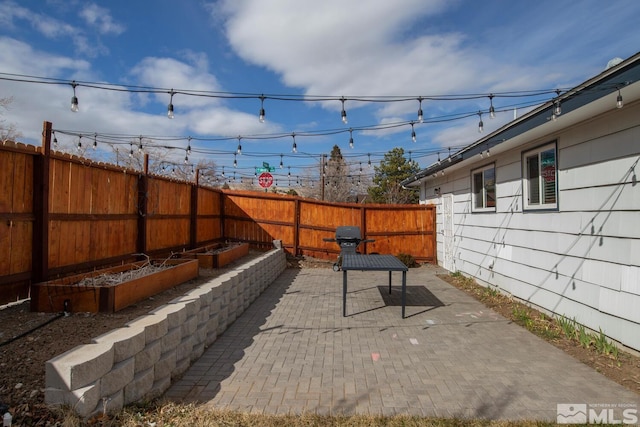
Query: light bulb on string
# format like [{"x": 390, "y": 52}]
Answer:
[
  {"x": 74, "y": 98},
  {"x": 186, "y": 158},
  {"x": 235, "y": 161},
  {"x": 55, "y": 140},
  {"x": 344, "y": 113},
  {"x": 492, "y": 111},
  {"x": 281, "y": 164},
  {"x": 261, "y": 115},
  {"x": 413, "y": 133},
  {"x": 350, "y": 138},
  {"x": 170, "y": 106},
  {"x": 79, "y": 143},
  {"x": 294, "y": 148},
  {"x": 131, "y": 151},
  {"x": 239, "y": 149},
  {"x": 95, "y": 141},
  {"x": 480, "y": 124},
  {"x": 420, "y": 114},
  {"x": 619, "y": 101},
  {"x": 140, "y": 145},
  {"x": 558, "y": 108},
  {"x": 369, "y": 162},
  {"x": 188, "y": 146}
]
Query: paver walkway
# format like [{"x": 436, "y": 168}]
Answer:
[{"x": 292, "y": 351}]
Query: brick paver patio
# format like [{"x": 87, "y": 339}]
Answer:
[{"x": 292, "y": 352}]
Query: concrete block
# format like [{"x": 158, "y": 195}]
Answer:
[
  {"x": 84, "y": 401},
  {"x": 165, "y": 365},
  {"x": 79, "y": 367},
  {"x": 191, "y": 303},
  {"x": 112, "y": 404},
  {"x": 183, "y": 351},
  {"x": 139, "y": 387},
  {"x": 172, "y": 339},
  {"x": 116, "y": 379},
  {"x": 126, "y": 342},
  {"x": 175, "y": 314},
  {"x": 159, "y": 387},
  {"x": 200, "y": 335},
  {"x": 149, "y": 356},
  {"x": 189, "y": 326},
  {"x": 212, "y": 336},
  {"x": 181, "y": 368},
  {"x": 197, "y": 351},
  {"x": 155, "y": 326}
]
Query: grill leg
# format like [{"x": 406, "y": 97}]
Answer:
[
  {"x": 344, "y": 293},
  {"x": 389, "y": 282}
]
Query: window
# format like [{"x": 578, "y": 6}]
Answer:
[
  {"x": 483, "y": 183},
  {"x": 540, "y": 187}
]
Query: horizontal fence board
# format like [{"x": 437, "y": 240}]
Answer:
[{"x": 95, "y": 214}]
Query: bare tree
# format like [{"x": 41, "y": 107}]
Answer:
[{"x": 8, "y": 131}]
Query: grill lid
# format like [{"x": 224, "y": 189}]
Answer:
[{"x": 348, "y": 232}]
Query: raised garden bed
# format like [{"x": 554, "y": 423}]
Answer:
[
  {"x": 219, "y": 257},
  {"x": 111, "y": 289}
]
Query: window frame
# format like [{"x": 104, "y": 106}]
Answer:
[
  {"x": 541, "y": 188},
  {"x": 481, "y": 171}
]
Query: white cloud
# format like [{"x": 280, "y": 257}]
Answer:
[{"x": 100, "y": 18}]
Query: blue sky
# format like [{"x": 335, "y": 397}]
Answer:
[{"x": 299, "y": 48}]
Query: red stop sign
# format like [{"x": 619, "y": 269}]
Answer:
[{"x": 265, "y": 180}]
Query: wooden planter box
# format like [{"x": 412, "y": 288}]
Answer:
[
  {"x": 222, "y": 256},
  {"x": 50, "y": 296}
]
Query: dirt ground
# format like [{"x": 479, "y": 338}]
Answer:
[{"x": 28, "y": 340}]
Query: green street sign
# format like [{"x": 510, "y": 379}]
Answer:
[
  {"x": 265, "y": 169},
  {"x": 265, "y": 165}
]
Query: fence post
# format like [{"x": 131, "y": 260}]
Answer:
[
  {"x": 193, "y": 215},
  {"x": 40, "y": 239},
  {"x": 296, "y": 227},
  {"x": 143, "y": 188}
]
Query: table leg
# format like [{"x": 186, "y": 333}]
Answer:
[
  {"x": 404, "y": 291},
  {"x": 344, "y": 293},
  {"x": 389, "y": 282}
]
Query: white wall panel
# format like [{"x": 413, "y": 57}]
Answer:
[{"x": 621, "y": 304}]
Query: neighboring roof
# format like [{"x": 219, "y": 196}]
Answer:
[{"x": 604, "y": 84}]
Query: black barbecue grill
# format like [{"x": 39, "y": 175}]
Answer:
[{"x": 348, "y": 237}]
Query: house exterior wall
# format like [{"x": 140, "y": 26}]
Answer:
[{"x": 581, "y": 260}]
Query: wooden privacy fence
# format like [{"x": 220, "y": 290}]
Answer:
[{"x": 62, "y": 215}]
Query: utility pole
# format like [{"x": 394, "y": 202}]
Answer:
[{"x": 322, "y": 169}]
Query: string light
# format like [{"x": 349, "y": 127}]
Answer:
[
  {"x": 420, "y": 115},
  {"x": 80, "y": 143},
  {"x": 239, "y": 149},
  {"x": 619, "y": 101},
  {"x": 413, "y": 133},
  {"x": 74, "y": 98},
  {"x": 186, "y": 157},
  {"x": 170, "y": 106},
  {"x": 281, "y": 164},
  {"x": 492, "y": 111},
  {"x": 344, "y": 113},
  {"x": 131, "y": 151},
  {"x": 189, "y": 146},
  {"x": 350, "y": 138},
  {"x": 261, "y": 115},
  {"x": 480, "y": 124},
  {"x": 95, "y": 141},
  {"x": 235, "y": 162},
  {"x": 55, "y": 140},
  {"x": 294, "y": 148},
  {"x": 558, "y": 108},
  {"x": 140, "y": 145}
]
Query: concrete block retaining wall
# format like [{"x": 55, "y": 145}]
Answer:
[{"x": 139, "y": 360}]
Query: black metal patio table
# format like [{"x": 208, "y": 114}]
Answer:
[{"x": 374, "y": 262}]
